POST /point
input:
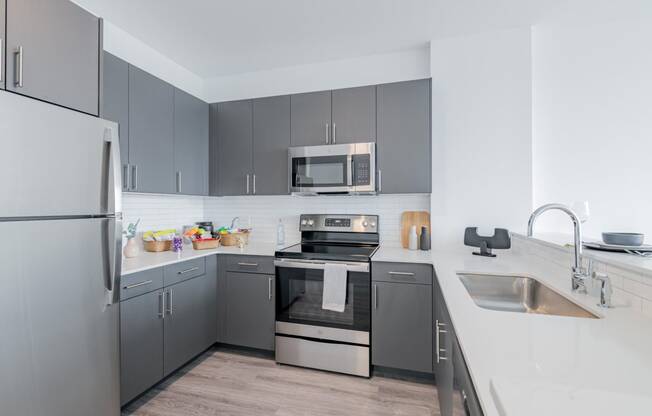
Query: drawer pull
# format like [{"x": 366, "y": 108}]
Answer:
[
  {"x": 401, "y": 273},
  {"x": 248, "y": 264},
  {"x": 193, "y": 269},
  {"x": 438, "y": 349},
  {"x": 146, "y": 282}
]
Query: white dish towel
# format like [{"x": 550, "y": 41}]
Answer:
[{"x": 334, "y": 295}]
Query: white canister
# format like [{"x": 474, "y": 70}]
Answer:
[{"x": 413, "y": 239}]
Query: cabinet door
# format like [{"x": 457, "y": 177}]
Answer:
[
  {"x": 141, "y": 344},
  {"x": 187, "y": 320},
  {"x": 235, "y": 137},
  {"x": 311, "y": 118},
  {"x": 213, "y": 151},
  {"x": 271, "y": 143},
  {"x": 443, "y": 359},
  {"x": 115, "y": 105},
  {"x": 354, "y": 115},
  {"x": 60, "y": 44},
  {"x": 404, "y": 151},
  {"x": 402, "y": 326},
  {"x": 151, "y": 133},
  {"x": 3, "y": 38},
  {"x": 465, "y": 399},
  {"x": 190, "y": 144},
  {"x": 250, "y": 311}
]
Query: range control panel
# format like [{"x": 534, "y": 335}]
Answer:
[{"x": 339, "y": 223}]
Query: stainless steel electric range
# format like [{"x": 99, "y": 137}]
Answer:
[{"x": 306, "y": 334}]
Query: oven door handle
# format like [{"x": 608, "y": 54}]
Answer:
[{"x": 320, "y": 265}]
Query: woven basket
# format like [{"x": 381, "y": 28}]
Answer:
[
  {"x": 232, "y": 239},
  {"x": 206, "y": 244},
  {"x": 157, "y": 246}
]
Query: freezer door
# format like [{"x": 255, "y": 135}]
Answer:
[
  {"x": 59, "y": 349},
  {"x": 55, "y": 161}
]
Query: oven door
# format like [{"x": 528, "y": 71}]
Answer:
[{"x": 299, "y": 289}]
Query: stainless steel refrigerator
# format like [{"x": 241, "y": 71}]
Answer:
[{"x": 60, "y": 258}]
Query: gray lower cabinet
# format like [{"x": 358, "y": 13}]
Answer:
[
  {"x": 187, "y": 320},
  {"x": 455, "y": 390},
  {"x": 115, "y": 105},
  {"x": 151, "y": 133},
  {"x": 404, "y": 137},
  {"x": 271, "y": 135},
  {"x": 354, "y": 115},
  {"x": 141, "y": 344},
  {"x": 249, "y": 313},
  {"x": 401, "y": 326},
  {"x": 3, "y": 38},
  {"x": 234, "y": 124},
  {"x": 53, "y": 48},
  {"x": 190, "y": 144},
  {"x": 311, "y": 118}
]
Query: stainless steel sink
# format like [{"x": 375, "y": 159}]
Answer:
[{"x": 519, "y": 294}]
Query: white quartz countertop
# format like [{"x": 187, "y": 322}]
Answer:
[
  {"x": 518, "y": 360},
  {"x": 147, "y": 260}
]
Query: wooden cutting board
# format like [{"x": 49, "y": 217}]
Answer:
[{"x": 410, "y": 218}]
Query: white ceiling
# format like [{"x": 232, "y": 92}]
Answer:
[{"x": 221, "y": 37}]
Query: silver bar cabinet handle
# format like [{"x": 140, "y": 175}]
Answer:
[
  {"x": 254, "y": 184},
  {"x": 438, "y": 332},
  {"x": 380, "y": 180},
  {"x": 161, "y": 305},
  {"x": 334, "y": 133},
  {"x": 18, "y": 56},
  {"x": 269, "y": 288},
  {"x": 327, "y": 134},
  {"x": 147, "y": 282},
  {"x": 401, "y": 273},
  {"x": 178, "y": 181},
  {"x": 2, "y": 54},
  {"x": 247, "y": 184},
  {"x": 125, "y": 173},
  {"x": 134, "y": 177},
  {"x": 188, "y": 270},
  {"x": 248, "y": 264},
  {"x": 169, "y": 302},
  {"x": 375, "y": 296}
]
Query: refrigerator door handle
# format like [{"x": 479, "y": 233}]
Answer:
[
  {"x": 112, "y": 180},
  {"x": 112, "y": 198},
  {"x": 112, "y": 230}
]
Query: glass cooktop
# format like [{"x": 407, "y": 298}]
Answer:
[{"x": 325, "y": 251}]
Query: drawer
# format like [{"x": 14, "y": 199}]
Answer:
[
  {"x": 142, "y": 282},
  {"x": 179, "y": 272},
  {"x": 250, "y": 264},
  {"x": 401, "y": 272}
]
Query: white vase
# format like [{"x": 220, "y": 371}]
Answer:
[
  {"x": 412, "y": 238},
  {"x": 131, "y": 249}
]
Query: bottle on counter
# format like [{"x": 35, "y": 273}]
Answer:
[
  {"x": 413, "y": 243},
  {"x": 280, "y": 233},
  {"x": 424, "y": 244}
]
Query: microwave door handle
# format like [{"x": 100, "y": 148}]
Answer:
[{"x": 349, "y": 173}]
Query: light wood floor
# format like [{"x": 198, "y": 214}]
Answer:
[{"x": 227, "y": 383}]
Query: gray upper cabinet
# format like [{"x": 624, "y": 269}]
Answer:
[
  {"x": 54, "y": 50},
  {"x": 311, "y": 118},
  {"x": 115, "y": 105},
  {"x": 235, "y": 138},
  {"x": 402, "y": 326},
  {"x": 3, "y": 38},
  {"x": 250, "y": 312},
  {"x": 270, "y": 148},
  {"x": 141, "y": 344},
  {"x": 190, "y": 144},
  {"x": 151, "y": 133},
  {"x": 213, "y": 151},
  {"x": 354, "y": 115},
  {"x": 404, "y": 119},
  {"x": 186, "y": 321}
]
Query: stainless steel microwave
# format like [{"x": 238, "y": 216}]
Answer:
[{"x": 333, "y": 169}]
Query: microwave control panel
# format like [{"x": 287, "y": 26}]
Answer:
[{"x": 361, "y": 169}]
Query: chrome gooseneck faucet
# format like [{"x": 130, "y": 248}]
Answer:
[{"x": 579, "y": 273}]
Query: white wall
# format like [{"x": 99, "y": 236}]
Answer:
[
  {"x": 481, "y": 105},
  {"x": 366, "y": 70},
  {"x": 592, "y": 121},
  {"x": 123, "y": 45}
]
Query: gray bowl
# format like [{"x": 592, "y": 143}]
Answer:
[{"x": 623, "y": 239}]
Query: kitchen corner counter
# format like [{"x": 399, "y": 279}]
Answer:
[
  {"x": 147, "y": 260},
  {"x": 549, "y": 358}
]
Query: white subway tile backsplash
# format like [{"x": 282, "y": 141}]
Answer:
[{"x": 263, "y": 212}]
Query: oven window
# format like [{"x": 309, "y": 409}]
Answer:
[
  {"x": 299, "y": 300},
  {"x": 319, "y": 171}
]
